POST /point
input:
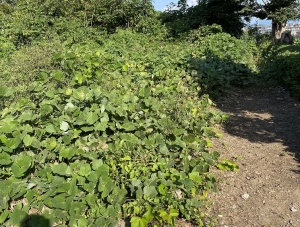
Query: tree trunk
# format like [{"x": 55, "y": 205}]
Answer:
[{"x": 277, "y": 29}]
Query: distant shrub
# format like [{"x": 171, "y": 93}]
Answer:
[
  {"x": 282, "y": 66},
  {"x": 221, "y": 61},
  {"x": 6, "y": 47}
]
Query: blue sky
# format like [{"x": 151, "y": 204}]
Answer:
[{"x": 161, "y": 5}]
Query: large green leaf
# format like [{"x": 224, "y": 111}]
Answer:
[
  {"x": 46, "y": 109},
  {"x": 150, "y": 191},
  {"x": 3, "y": 215},
  {"x": 101, "y": 126},
  {"x": 5, "y": 91},
  {"x": 129, "y": 126},
  {"x": 67, "y": 153},
  {"x": 189, "y": 138},
  {"x": 9, "y": 127},
  {"x": 62, "y": 169},
  {"x": 4, "y": 198},
  {"x": 91, "y": 118},
  {"x": 138, "y": 222},
  {"x": 4, "y": 159},
  {"x": 64, "y": 126},
  {"x": 28, "y": 140},
  {"x": 84, "y": 170},
  {"x": 17, "y": 217},
  {"x": 50, "y": 128},
  {"x": 106, "y": 185},
  {"x": 58, "y": 75},
  {"x": 21, "y": 165}
]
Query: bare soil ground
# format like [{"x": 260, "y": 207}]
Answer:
[{"x": 263, "y": 136}]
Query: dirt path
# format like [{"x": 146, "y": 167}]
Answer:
[{"x": 263, "y": 135}]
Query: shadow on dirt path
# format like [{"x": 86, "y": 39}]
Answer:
[
  {"x": 263, "y": 137},
  {"x": 264, "y": 115}
]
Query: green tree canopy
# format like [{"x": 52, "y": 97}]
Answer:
[
  {"x": 279, "y": 11},
  {"x": 226, "y": 13},
  {"x": 26, "y": 21}
]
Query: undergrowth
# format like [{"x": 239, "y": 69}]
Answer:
[{"x": 101, "y": 131}]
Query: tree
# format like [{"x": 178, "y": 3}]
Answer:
[
  {"x": 279, "y": 11},
  {"x": 207, "y": 12},
  {"x": 226, "y": 13}
]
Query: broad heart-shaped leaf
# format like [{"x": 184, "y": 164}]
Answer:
[
  {"x": 50, "y": 143},
  {"x": 62, "y": 169},
  {"x": 21, "y": 165},
  {"x": 145, "y": 92},
  {"x": 27, "y": 115},
  {"x": 67, "y": 139},
  {"x": 106, "y": 185},
  {"x": 64, "y": 126},
  {"x": 9, "y": 127},
  {"x": 17, "y": 217},
  {"x": 46, "y": 109},
  {"x": 67, "y": 153},
  {"x": 189, "y": 138},
  {"x": 163, "y": 149},
  {"x": 5, "y": 91},
  {"x": 50, "y": 128},
  {"x": 129, "y": 126},
  {"x": 31, "y": 195},
  {"x": 164, "y": 215},
  {"x": 162, "y": 189},
  {"x": 13, "y": 143},
  {"x": 149, "y": 191},
  {"x": 208, "y": 158},
  {"x": 4, "y": 159},
  {"x": 101, "y": 126},
  {"x": 91, "y": 118},
  {"x": 195, "y": 177},
  {"x": 28, "y": 140},
  {"x": 129, "y": 137},
  {"x": 58, "y": 75},
  {"x": 58, "y": 201},
  {"x": 84, "y": 170},
  {"x": 138, "y": 222},
  {"x": 96, "y": 163},
  {"x": 118, "y": 196},
  {"x": 79, "y": 78}
]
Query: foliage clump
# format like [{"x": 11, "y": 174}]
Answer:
[
  {"x": 101, "y": 123},
  {"x": 221, "y": 61},
  {"x": 280, "y": 66},
  {"x": 107, "y": 133}
]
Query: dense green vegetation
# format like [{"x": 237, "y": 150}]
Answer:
[
  {"x": 106, "y": 116},
  {"x": 280, "y": 66}
]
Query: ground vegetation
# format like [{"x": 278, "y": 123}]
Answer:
[{"x": 106, "y": 117}]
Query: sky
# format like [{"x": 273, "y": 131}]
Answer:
[{"x": 160, "y": 5}]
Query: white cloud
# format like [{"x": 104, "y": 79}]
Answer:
[
  {"x": 192, "y": 2},
  {"x": 189, "y": 2}
]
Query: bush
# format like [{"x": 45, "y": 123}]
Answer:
[
  {"x": 221, "y": 61},
  {"x": 282, "y": 66},
  {"x": 6, "y": 47}
]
